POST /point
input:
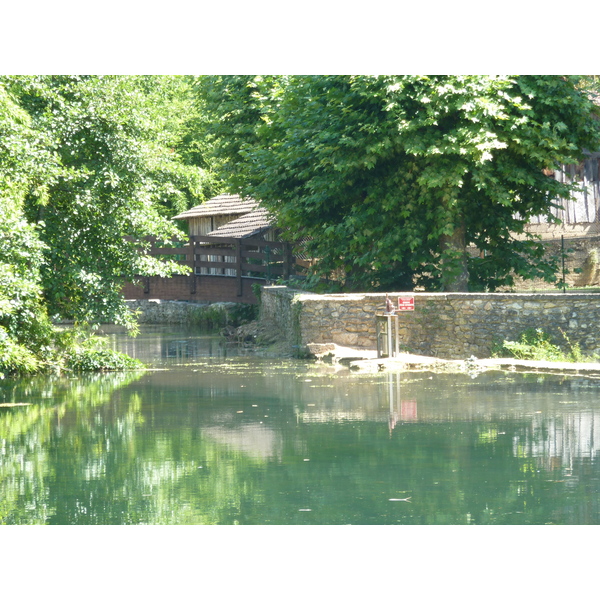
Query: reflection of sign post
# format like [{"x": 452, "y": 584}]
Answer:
[
  {"x": 406, "y": 303},
  {"x": 408, "y": 410}
]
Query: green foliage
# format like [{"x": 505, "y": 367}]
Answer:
[
  {"x": 26, "y": 169},
  {"x": 15, "y": 359},
  {"x": 240, "y": 314},
  {"x": 22, "y": 313},
  {"x": 95, "y": 356},
  {"x": 535, "y": 344},
  {"x": 90, "y": 167},
  {"x": 113, "y": 138},
  {"x": 391, "y": 177},
  {"x": 210, "y": 318},
  {"x": 215, "y": 317},
  {"x": 257, "y": 291}
]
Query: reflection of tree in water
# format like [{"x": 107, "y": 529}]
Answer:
[
  {"x": 29, "y": 435},
  {"x": 194, "y": 348},
  {"x": 266, "y": 445},
  {"x": 174, "y": 343}
]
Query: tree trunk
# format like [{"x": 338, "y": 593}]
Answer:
[{"x": 455, "y": 272}]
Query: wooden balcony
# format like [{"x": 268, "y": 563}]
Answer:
[{"x": 221, "y": 270}]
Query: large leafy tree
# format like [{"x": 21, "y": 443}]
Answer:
[
  {"x": 27, "y": 167},
  {"x": 117, "y": 141},
  {"x": 90, "y": 167},
  {"x": 394, "y": 177}
]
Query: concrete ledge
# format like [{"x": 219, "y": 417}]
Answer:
[
  {"x": 404, "y": 362},
  {"x": 413, "y": 362},
  {"x": 336, "y": 353},
  {"x": 540, "y": 366}
]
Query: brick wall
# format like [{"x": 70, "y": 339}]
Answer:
[{"x": 195, "y": 288}]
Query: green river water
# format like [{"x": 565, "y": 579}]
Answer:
[{"x": 214, "y": 435}]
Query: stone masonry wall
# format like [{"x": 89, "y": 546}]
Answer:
[
  {"x": 446, "y": 325},
  {"x": 165, "y": 312},
  {"x": 279, "y": 313}
]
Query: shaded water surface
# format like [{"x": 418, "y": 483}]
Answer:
[{"x": 215, "y": 437}]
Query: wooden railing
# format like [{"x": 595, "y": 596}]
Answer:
[{"x": 231, "y": 257}]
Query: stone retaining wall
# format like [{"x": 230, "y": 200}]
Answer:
[
  {"x": 445, "y": 325},
  {"x": 166, "y": 312}
]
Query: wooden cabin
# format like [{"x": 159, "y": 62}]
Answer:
[
  {"x": 228, "y": 217},
  {"x": 216, "y": 212},
  {"x": 233, "y": 245}
]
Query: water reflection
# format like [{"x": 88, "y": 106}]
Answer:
[
  {"x": 260, "y": 441},
  {"x": 401, "y": 409},
  {"x": 169, "y": 344}
]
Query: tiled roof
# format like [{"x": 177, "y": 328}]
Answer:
[
  {"x": 250, "y": 224},
  {"x": 225, "y": 204}
]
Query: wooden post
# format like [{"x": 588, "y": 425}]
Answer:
[
  {"x": 238, "y": 249},
  {"x": 562, "y": 252},
  {"x": 192, "y": 264},
  {"x": 287, "y": 261}
]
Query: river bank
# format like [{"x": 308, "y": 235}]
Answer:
[{"x": 361, "y": 360}]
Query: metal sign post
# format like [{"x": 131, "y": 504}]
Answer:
[
  {"x": 388, "y": 327},
  {"x": 390, "y": 332}
]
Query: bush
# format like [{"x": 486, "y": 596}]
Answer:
[
  {"x": 101, "y": 359},
  {"x": 15, "y": 359},
  {"x": 72, "y": 349},
  {"x": 209, "y": 318},
  {"x": 215, "y": 317},
  {"x": 535, "y": 344}
]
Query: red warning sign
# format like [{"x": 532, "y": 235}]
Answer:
[{"x": 406, "y": 303}]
